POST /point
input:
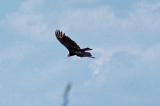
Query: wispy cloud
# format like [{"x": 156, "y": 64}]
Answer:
[
  {"x": 125, "y": 46},
  {"x": 102, "y": 66},
  {"x": 151, "y": 54},
  {"x": 99, "y": 62},
  {"x": 96, "y": 21},
  {"x": 102, "y": 21},
  {"x": 30, "y": 5},
  {"x": 26, "y": 21},
  {"x": 14, "y": 54}
]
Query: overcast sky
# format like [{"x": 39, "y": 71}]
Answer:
[{"x": 124, "y": 36}]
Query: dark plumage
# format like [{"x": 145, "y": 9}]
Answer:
[{"x": 72, "y": 46}]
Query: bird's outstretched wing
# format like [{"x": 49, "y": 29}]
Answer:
[{"x": 66, "y": 41}]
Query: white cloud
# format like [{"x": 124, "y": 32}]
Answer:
[
  {"x": 74, "y": 2},
  {"x": 101, "y": 67},
  {"x": 100, "y": 20},
  {"x": 99, "y": 24},
  {"x": 14, "y": 54},
  {"x": 30, "y": 5},
  {"x": 145, "y": 18},
  {"x": 142, "y": 20},
  {"x": 99, "y": 62},
  {"x": 26, "y": 21},
  {"x": 151, "y": 54}
]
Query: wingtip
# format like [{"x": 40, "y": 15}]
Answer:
[
  {"x": 59, "y": 33},
  {"x": 57, "y": 30}
]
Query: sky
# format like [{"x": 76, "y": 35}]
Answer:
[{"x": 124, "y": 36}]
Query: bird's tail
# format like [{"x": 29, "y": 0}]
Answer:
[
  {"x": 86, "y": 49},
  {"x": 87, "y": 54}
]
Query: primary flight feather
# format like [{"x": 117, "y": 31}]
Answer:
[{"x": 72, "y": 46}]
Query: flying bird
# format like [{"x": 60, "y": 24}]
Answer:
[{"x": 72, "y": 46}]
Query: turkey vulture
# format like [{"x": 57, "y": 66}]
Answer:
[{"x": 71, "y": 45}]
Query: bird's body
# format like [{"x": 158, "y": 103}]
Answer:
[{"x": 72, "y": 46}]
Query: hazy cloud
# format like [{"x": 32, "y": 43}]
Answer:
[
  {"x": 126, "y": 47},
  {"x": 25, "y": 21},
  {"x": 14, "y": 54},
  {"x": 102, "y": 65}
]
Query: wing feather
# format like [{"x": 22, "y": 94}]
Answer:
[{"x": 66, "y": 41}]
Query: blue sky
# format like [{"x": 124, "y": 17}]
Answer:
[{"x": 35, "y": 69}]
